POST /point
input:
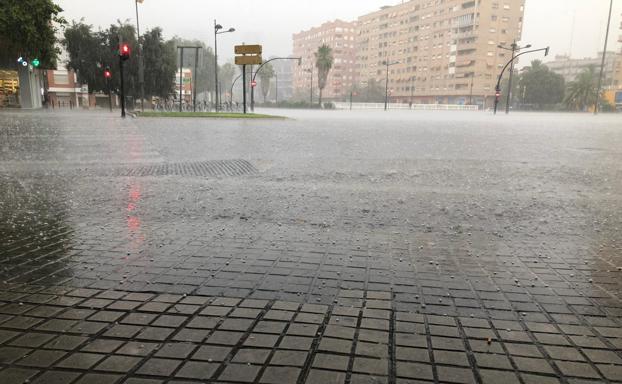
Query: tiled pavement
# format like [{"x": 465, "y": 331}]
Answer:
[
  {"x": 65, "y": 335},
  {"x": 415, "y": 271}
]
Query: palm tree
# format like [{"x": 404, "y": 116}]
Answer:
[
  {"x": 324, "y": 62},
  {"x": 580, "y": 93}
]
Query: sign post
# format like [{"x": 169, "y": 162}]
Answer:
[{"x": 247, "y": 55}]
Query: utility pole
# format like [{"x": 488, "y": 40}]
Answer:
[
  {"x": 141, "y": 63},
  {"x": 194, "y": 79},
  {"x": 471, "y": 91},
  {"x": 244, "y": 87},
  {"x": 181, "y": 75},
  {"x": 217, "y": 31},
  {"x": 602, "y": 65},
  {"x": 386, "y": 85},
  {"x": 509, "y": 98}
]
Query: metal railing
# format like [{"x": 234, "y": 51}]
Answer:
[{"x": 401, "y": 106}]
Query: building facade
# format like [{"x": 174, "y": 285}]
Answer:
[
  {"x": 441, "y": 51},
  {"x": 570, "y": 68},
  {"x": 340, "y": 36},
  {"x": 64, "y": 91},
  {"x": 283, "y": 79}
]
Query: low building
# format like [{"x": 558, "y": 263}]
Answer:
[
  {"x": 186, "y": 89},
  {"x": 64, "y": 91},
  {"x": 570, "y": 68}
]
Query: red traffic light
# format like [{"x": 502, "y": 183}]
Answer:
[
  {"x": 253, "y": 83},
  {"x": 107, "y": 73},
  {"x": 124, "y": 51}
]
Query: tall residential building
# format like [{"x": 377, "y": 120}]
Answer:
[
  {"x": 340, "y": 36},
  {"x": 445, "y": 50},
  {"x": 283, "y": 78}
]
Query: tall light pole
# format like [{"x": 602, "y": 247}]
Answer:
[
  {"x": 602, "y": 64},
  {"x": 514, "y": 48},
  {"x": 218, "y": 31},
  {"x": 386, "y": 86},
  {"x": 141, "y": 64},
  {"x": 311, "y": 72}
]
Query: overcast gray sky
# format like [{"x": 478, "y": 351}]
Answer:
[{"x": 272, "y": 22}]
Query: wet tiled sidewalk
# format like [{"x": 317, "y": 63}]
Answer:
[
  {"x": 65, "y": 335},
  {"x": 266, "y": 253}
]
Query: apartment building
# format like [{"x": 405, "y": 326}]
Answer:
[
  {"x": 340, "y": 36},
  {"x": 441, "y": 51}
]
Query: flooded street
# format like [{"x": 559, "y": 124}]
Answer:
[{"x": 450, "y": 247}]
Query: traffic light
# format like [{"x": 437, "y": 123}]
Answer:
[
  {"x": 124, "y": 51},
  {"x": 498, "y": 94},
  {"x": 107, "y": 73},
  {"x": 253, "y": 83},
  {"x": 36, "y": 63}
]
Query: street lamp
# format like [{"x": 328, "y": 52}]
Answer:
[
  {"x": 602, "y": 64},
  {"x": 386, "y": 88},
  {"x": 311, "y": 72},
  {"x": 141, "y": 64},
  {"x": 218, "y": 30},
  {"x": 513, "y": 48}
]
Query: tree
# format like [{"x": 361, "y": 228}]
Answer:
[
  {"x": 160, "y": 64},
  {"x": 540, "y": 87},
  {"x": 28, "y": 28},
  {"x": 581, "y": 92},
  {"x": 88, "y": 53},
  {"x": 324, "y": 62},
  {"x": 265, "y": 75},
  {"x": 226, "y": 73}
]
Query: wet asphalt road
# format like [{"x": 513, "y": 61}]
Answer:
[{"x": 487, "y": 232}]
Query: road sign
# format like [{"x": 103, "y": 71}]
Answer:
[
  {"x": 248, "y": 60},
  {"x": 248, "y": 49}
]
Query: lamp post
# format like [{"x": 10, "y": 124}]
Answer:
[
  {"x": 311, "y": 92},
  {"x": 513, "y": 48},
  {"x": 218, "y": 31},
  {"x": 141, "y": 63},
  {"x": 276, "y": 88},
  {"x": 511, "y": 62},
  {"x": 602, "y": 64},
  {"x": 386, "y": 85}
]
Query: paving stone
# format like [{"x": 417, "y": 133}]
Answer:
[
  {"x": 80, "y": 360},
  {"x": 330, "y": 361},
  {"x": 240, "y": 372},
  {"x": 56, "y": 377},
  {"x": 317, "y": 376},
  {"x": 197, "y": 370},
  {"x": 278, "y": 375},
  {"x": 118, "y": 364},
  {"x": 211, "y": 353},
  {"x": 251, "y": 356},
  {"x": 289, "y": 358},
  {"x": 158, "y": 367}
]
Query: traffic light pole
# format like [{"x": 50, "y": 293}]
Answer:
[
  {"x": 109, "y": 94},
  {"x": 244, "y": 87},
  {"x": 498, "y": 87},
  {"x": 122, "y": 87}
]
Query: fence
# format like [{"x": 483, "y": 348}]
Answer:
[{"x": 417, "y": 107}]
